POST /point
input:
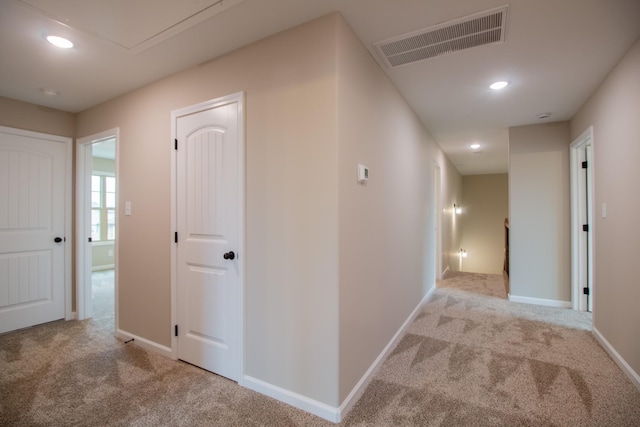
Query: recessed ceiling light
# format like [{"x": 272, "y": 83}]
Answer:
[
  {"x": 499, "y": 85},
  {"x": 60, "y": 42},
  {"x": 49, "y": 92},
  {"x": 474, "y": 146}
]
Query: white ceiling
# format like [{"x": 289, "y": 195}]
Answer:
[{"x": 555, "y": 54}]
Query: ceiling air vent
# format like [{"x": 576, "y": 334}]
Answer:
[{"x": 460, "y": 34}]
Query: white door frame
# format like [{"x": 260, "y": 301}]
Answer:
[
  {"x": 437, "y": 206},
  {"x": 579, "y": 239},
  {"x": 239, "y": 98},
  {"x": 83, "y": 221},
  {"x": 68, "y": 227}
]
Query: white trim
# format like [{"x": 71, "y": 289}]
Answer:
[
  {"x": 103, "y": 267},
  {"x": 360, "y": 387},
  {"x": 330, "y": 413},
  {"x": 296, "y": 400},
  {"x": 174, "y": 227},
  {"x": 145, "y": 343},
  {"x": 540, "y": 301},
  {"x": 628, "y": 370},
  {"x": 238, "y": 98},
  {"x": 102, "y": 173},
  {"x": 83, "y": 257},
  {"x": 437, "y": 211},
  {"x": 577, "y": 236},
  {"x": 68, "y": 208},
  {"x": 103, "y": 243},
  {"x": 68, "y": 231},
  {"x": 445, "y": 272}
]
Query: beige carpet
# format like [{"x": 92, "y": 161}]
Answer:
[
  {"x": 477, "y": 283},
  {"x": 468, "y": 359}
]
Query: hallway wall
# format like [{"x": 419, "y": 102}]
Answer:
[
  {"x": 614, "y": 112},
  {"x": 484, "y": 209}
]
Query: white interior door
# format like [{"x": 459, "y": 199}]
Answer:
[
  {"x": 582, "y": 224},
  {"x": 208, "y": 219},
  {"x": 32, "y": 229}
]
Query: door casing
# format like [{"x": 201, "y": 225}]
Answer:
[
  {"x": 83, "y": 215},
  {"x": 437, "y": 206},
  {"x": 237, "y": 97},
  {"x": 582, "y": 203}
]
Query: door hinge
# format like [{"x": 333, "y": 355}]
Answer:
[
  {"x": 175, "y": 330},
  {"x": 585, "y": 227},
  {"x": 584, "y": 164},
  {"x": 175, "y": 141},
  {"x": 585, "y": 291},
  {"x": 90, "y": 240},
  {"x": 175, "y": 237}
]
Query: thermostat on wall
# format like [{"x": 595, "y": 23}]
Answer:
[{"x": 363, "y": 174}]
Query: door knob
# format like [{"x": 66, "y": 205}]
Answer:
[
  {"x": 229, "y": 255},
  {"x": 58, "y": 239}
]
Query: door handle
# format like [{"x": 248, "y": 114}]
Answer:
[
  {"x": 58, "y": 239},
  {"x": 229, "y": 255}
]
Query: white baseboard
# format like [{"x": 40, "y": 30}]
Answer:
[
  {"x": 628, "y": 370},
  {"x": 540, "y": 301},
  {"x": 145, "y": 343},
  {"x": 296, "y": 400},
  {"x": 330, "y": 413},
  {"x": 445, "y": 272},
  {"x": 360, "y": 387}
]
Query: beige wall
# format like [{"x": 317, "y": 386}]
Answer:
[
  {"x": 539, "y": 204},
  {"x": 451, "y": 223},
  {"x": 332, "y": 268},
  {"x": 485, "y": 206},
  {"x": 386, "y": 246},
  {"x": 614, "y": 112},
  {"x": 22, "y": 115},
  {"x": 103, "y": 165},
  {"x": 291, "y": 250}
]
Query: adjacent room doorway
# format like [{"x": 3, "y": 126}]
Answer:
[{"x": 97, "y": 213}]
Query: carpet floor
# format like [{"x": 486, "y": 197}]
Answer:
[{"x": 470, "y": 358}]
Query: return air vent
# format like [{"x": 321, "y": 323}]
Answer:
[{"x": 453, "y": 36}]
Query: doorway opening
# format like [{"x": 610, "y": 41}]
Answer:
[
  {"x": 437, "y": 205},
  {"x": 97, "y": 212},
  {"x": 582, "y": 223}
]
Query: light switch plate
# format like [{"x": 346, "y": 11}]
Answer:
[
  {"x": 363, "y": 174},
  {"x": 127, "y": 208}
]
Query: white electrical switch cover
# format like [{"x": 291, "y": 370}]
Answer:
[
  {"x": 127, "y": 208},
  {"x": 604, "y": 210},
  {"x": 363, "y": 174}
]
